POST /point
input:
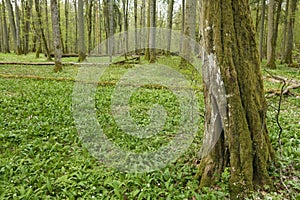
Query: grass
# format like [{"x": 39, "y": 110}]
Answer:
[{"x": 42, "y": 156}]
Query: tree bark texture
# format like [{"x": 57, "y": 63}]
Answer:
[
  {"x": 233, "y": 60},
  {"x": 56, "y": 36},
  {"x": 81, "y": 42}
]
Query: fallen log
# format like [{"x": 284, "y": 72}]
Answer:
[{"x": 286, "y": 91}]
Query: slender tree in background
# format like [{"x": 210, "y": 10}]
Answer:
[
  {"x": 262, "y": 29},
  {"x": 89, "y": 6},
  {"x": 284, "y": 30},
  {"x": 81, "y": 42},
  {"x": 47, "y": 27},
  {"x": 28, "y": 5},
  {"x": 169, "y": 24},
  {"x": 271, "y": 62},
  {"x": 41, "y": 29},
  {"x": 67, "y": 25},
  {"x": 147, "y": 50},
  {"x": 125, "y": 22},
  {"x": 142, "y": 24},
  {"x": 189, "y": 30},
  {"x": 232, "y": 56},
  {"x": 56, "y": 36},
  {"x": 18, "y": 29},
  {"x": 182, "y": 22},
  {"x": 288, "y": 56},
  {"x": 135, "y": 12},
  {"x": 271, "y": 7},
  {"x": 5, "y": 31},
  {"x": 152, "y": 34},
  {"x": 16, "y": 37}
]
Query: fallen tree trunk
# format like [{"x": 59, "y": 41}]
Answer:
[{"x": 286, "y": 91}]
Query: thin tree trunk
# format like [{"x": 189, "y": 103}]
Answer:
[
  {"x": 48, "y": 36},
  {"x": 67, "y": 26},
  {"x": 142, "y": 25},
  {"x": 189, "y": 31},
  {"x": 39, "y": 20},
  {"x": 152, "y": 34},
  {"x": 147, "y": 50},
  {"x": 56, "y": 36},
  {"x": 89, "y": 6},
  {"x": 182, "y": 22},
  {"x": 125, "y": 19},
  {"x": 262, "y": 28},
  {"x": 28, "y": 5},
  {"x": 13, "y": 26},
  {"x": 5, "y": 32},
  {"x": 270, "y": 41},
  {"x": 288, "y": 58},
  {"x": 284, "y": 31},
  {"x": 82, "y": 50},
  {"x": 272, "y": 62},
  {"x": 111, "y": 29},
  {"x": 18, "y": 29},
  {"x": 76, "y": 26},
  {"x": 234, "y": 101},
  {"x": 169, "y": 25},
  {"x": 135, "y": 25}
]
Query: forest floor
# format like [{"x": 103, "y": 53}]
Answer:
[{"x": 42, "y": 156}]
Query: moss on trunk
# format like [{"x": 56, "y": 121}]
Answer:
[{"x": 244, "y": 145}]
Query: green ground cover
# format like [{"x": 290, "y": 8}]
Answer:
[{"x": 42, "y": 157}]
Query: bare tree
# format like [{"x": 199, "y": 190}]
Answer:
[
  {"x": 169, "y": 24},
  {"x": 152, "y": 35},
  {"x": 82, "y": 50},
  {"x": 56, "y": 36},
  {"x": 262, "y": 29},
  {"x": 5, "y": 31}
]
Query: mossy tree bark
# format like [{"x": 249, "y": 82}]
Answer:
[{"x": 244, "y": 144}]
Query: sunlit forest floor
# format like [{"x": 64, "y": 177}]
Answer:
[{"x": 42, "y": 157}]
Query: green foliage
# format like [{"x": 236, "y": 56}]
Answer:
[{"x": 42, "y": 157}]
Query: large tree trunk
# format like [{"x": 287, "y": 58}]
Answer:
[
  {"x": 288, "y": 56},
  {"x": 270, "y": 57},
  {"x": 262, "y": 28},
  {"x": 234, "y": 100},
  {"x": 81, "y": 49},
  {"x": 56, "y": 36},
  {"x": 152, "y": 34}
]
